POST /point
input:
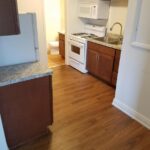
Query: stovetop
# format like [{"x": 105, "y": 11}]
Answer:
[{"x": 79, "y": 34}]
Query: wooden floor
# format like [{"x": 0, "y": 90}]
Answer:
[
  {"x": 84, "y": 118},
  {"x": 55, "y": 61}
]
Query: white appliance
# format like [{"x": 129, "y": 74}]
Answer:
[
  {"x": 94, "y": 9},
  {"x": 3, "y": 144},
  {"x": 22, "y": 48},
  {"x": 78, "y": 46}
]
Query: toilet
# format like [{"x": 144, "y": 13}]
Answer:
[{"x": 53, "y": 47}]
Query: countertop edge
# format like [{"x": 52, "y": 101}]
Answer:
[
  {"x": 23, "y": 79},
  {"x": 118, "y": 47},
  {"x": 23, "y": 72}
]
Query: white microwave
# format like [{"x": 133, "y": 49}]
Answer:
[
  {"x": 88, "y": 11},
  {"x": 98, "y": 10}
]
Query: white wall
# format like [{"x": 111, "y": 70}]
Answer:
[
  {"x": 118, "y": 13},
  {"x": 63, "y": 16},
  {"x": 73, "y": 23},
  {"x": 36, "y": 6},
  {"x": 52, "y": 14},
  {"x": 133, "y": 87}
]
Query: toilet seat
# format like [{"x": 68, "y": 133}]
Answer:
[
  {"x": 53, "y": 47},
  {"x": 54, "y": 43}
]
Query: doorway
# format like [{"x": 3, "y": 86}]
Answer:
[{"x": 55, "y": 31}]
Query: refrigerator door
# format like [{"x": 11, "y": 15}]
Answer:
[{"x": 21, "y": 48}]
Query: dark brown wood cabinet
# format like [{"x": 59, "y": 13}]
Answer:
[
  {"x": 9, "y": 24},
  {"x": 116, "y": 67},
  {"x": 62, "y": 45},
  {"x": 100, "y": 60},
  {"x": 92, "y": 61},
  {"x": 26, "y": 110},
  {"x": 105, "y": 65}
]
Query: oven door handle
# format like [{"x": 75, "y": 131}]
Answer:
[{"x": 77, "y": 44}]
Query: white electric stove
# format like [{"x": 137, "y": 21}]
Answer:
[{"x": 78, "y": 46}]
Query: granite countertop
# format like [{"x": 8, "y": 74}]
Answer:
[
  {"x": 22, "y": 72},
  {"x": 118, "y": 47}
]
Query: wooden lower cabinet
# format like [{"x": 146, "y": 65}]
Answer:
[
  {"x": 26, "y": 109},
  {"x": 92, "y": 61},
  {"x": 62, "y": 48},
  {"x": 105, "y": 67},
  {"x": 114, "y": 78},
  {"x": 103, "y": 62},
  {"x": 100, "y": 61},
  {"x": 116, "y": 67},
  {"x": 62, "y": 45}
]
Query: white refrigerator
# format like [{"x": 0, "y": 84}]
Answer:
[
  {"x": 21, "y": 48},
  {"x": 3, "y": 144}
]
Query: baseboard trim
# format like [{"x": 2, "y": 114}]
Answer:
[{"x": 132, "y": 113}]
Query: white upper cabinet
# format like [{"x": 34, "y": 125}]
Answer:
[{"x": 94, "y": 9}]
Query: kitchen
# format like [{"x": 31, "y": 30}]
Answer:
[
  {"x": 89, "y": 31},
  {"x": 74, "y": 27}
]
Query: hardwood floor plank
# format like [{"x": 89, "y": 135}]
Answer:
[
  {"x": 84, "y": 118},
  {"x": 55, "y": 61}
]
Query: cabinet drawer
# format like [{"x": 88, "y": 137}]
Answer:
[{"x": 102, "y": 49}]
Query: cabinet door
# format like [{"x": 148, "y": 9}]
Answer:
[
  {"x": 105, "y": 67},
  {"x": 8, "y": 17},
  {"x": 92, "y": 57},
  {"x": 26, "y": 113}
]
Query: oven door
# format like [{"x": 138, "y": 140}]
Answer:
[{"x": 77, "y": 51}]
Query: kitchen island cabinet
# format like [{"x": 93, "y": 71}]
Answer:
[
  {"x": 9, "y": 24},
  {"x": 26, "y": 104}
]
